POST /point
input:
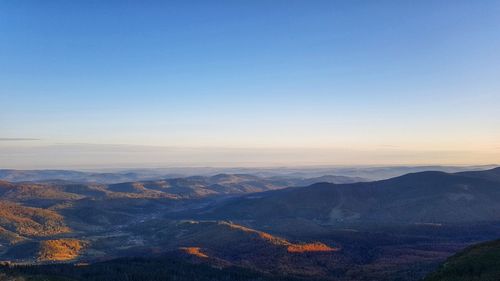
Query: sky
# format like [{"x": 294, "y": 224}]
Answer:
[{"x": 248, "y": 82}]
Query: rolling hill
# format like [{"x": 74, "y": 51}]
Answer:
[
  {"x": 171, "y": 188},
  {"x": 30, "y": 222}
]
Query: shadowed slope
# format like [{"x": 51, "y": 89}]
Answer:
[{"x": 477, "y": 263}]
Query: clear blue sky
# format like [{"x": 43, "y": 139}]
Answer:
[{"x": 389, "y": 81}]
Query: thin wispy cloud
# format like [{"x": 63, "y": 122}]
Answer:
[{"x": 19, "y": 139}]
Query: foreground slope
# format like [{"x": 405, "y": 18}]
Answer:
[
  {"x": 133, "y": 269},
  {"x": 477, "y": 263},
  {"x": 226, "y": 243}
]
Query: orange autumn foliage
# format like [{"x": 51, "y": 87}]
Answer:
[
  {"x": 310, "y": 247},
  {"x": 291, "y": 247},
  {"x": 194, "y": 251},
  {"x": 60, "y": 249}
]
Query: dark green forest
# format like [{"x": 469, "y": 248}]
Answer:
[
  {"x": 133, "y": 269},
  {"x": 477, "y": 263}
]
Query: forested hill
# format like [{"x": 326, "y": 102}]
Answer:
[{"x": 477, "y": 263}]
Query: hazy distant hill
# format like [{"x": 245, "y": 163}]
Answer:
[
  {"x": 75, "y": 176},
  {"x": 368, "y": 173},
  {"x": 198, "y": 186},
  {"x": 476, "y": 263},
  {"x": 425, "y": 197}
]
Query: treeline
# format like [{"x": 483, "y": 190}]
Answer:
[{"x": 134, "y": 269}]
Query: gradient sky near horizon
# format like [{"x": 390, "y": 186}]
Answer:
[{"x": 248, "y": 82}]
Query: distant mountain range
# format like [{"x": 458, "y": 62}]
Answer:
[
  {"x": 76, "y": 176},
  {"x": 368, "y": 173}
]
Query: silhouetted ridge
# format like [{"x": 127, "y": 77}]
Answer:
[{"x": 492, "y": 175}]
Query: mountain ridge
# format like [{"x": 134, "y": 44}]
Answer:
[{"x": 424, "y": 197}]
